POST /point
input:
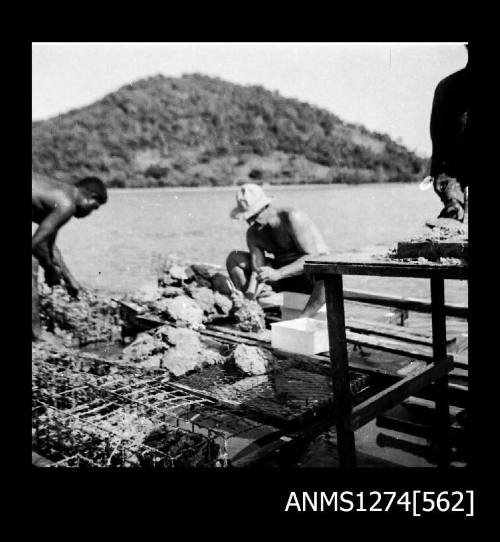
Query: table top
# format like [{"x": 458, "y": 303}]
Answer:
[{"x": 383, "y": 266}]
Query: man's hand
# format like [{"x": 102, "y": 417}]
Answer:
[
  {"x": 453, "y": 209},
  {"x": 268, "y": 274},
  {"x": 52, "y": 277},
  {"x": 73, "y": 289}
]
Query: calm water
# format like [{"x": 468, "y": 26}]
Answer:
[{"x": 114, "y": 250}]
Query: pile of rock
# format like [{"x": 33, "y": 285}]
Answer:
[
  {"x": 180, "y": 350},
  {"x": 50, "y": 347},
  {"x": 193, "y": 295},
  {"x": 89, "y": 319},
  {"x": 252, "y": 360},
  {"x": 248, "y": 314}
]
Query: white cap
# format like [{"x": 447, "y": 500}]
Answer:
[{"x": 250, "y": 200}]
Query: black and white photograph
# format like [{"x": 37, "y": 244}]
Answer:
[{"x": 250, "y": 255}]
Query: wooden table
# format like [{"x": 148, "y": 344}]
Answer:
[{"x": 349, "y": 419}]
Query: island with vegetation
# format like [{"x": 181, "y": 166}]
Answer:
[{"x": 197, "y": 130}]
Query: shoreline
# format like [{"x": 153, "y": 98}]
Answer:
[{"x": 266, "y": 186}]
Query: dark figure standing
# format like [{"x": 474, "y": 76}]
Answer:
[
  {"x": 450, "y": 134},
  {"x": 53, "y": 203}
]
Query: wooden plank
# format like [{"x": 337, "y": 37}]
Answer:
[
  {"x": 417, "y": 429},
  {"x": 264, "y": 336},
  {"x": 382, "y": 326},
  {"x": 388, "y": 345},
  {"x": 407, "y": 303},
  {"x": 460, "y": 361},
  {"x": 395, "y": 268},
  {"x": 395, "y": 332},
  {"x": 229, "y": 338},
  {"x": 456, "y": 310},
  {"x": 458, "y": 394},
  {"x": 396, "y": 393},
  {"x": 459, "y": 375}
]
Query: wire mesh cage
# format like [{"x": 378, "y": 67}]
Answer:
[
  {"x": 286, "y": 397},
  {"x": 93, "y": 413}
]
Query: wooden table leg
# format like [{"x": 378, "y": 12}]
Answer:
[
  {"x": 340, "y": 369},
  {"x": 441, "y": 385}
]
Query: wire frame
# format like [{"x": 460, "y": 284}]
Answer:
[{"x": 124, "y": 417}]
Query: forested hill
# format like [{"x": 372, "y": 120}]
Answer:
[{"x": 197, "y": 130}]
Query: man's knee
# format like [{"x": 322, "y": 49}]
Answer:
[{"x": 237, "y": 258}]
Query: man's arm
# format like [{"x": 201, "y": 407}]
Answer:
[
  {"x": 439, "y": 133},
  {"x": 72, "y": 284},
  {"x": 444, "y": 149},
  {"x": 257, "y": 260},
  {"x": 42, "y": 243}
]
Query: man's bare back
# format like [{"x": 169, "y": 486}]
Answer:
[
  {"x": 48, "y": 194},
  {"x": 281, "y": 238}
]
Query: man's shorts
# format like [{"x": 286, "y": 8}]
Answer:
[{"x": 299, "y": 284}]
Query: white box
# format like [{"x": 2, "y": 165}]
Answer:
[{"x": 302, "y": 335}]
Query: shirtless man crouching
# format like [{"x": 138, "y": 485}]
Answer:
[
  {"x": 279, "y": 241},
  {"x": 53, "y": 203}
]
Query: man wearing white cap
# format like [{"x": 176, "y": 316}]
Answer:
[{"x": 279, "y": 240}]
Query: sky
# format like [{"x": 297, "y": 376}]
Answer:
[{"x": 387, "y": 87}]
